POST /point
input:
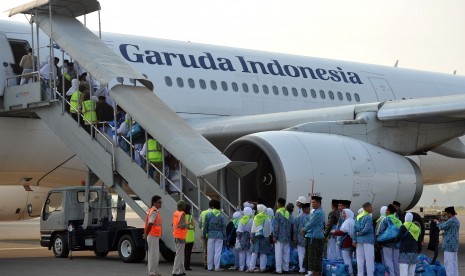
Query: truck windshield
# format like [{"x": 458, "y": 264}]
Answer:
[{"x": 52, "y": 204}]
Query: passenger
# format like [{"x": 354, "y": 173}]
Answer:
[
  {"x": 180, "y": 227},
  {"x": 190, "y": 237},
  {"x": 382, "y": 216},
  {"x": 152, "y": 234},
  {"x": 299, "y": 202},
  {"x": 298, "y": 238},
  {"x": 153, "y": 151},
  {"x": 215, "y": 229},
  {"x": 243, "y": 238},
  {"x": 315, "y": 239},
  {"x": 76, "y": 94},
  {"x": 450, "y": 241},
  {"x": 203, "y": 214},
  {"x": 400, "y": 214},
  {"x": 364, "y": 240},
  {"x": 27, "y": 63},
  {"x": 346, "y": 232},
  {"x": 333, "y": 218},
  {"x": 290, "y": 209},
  {"x": 69, "y": 75},
  {"x": 104, "y": 111},
  {"x": 47, "y": 72},
  {"x": 231, "y": 233},
  {"x": 88, "y": 112},
  {"x": 260, "y": 240},
  {"x": 282, "y": 237},
  {"x": 390, "y": 249},
  {"x": 408, "y": 237},
  {"x": 137, "y": 134},
  {"x": 342, "y": 204},
  {"x": 173, "y": 173}
]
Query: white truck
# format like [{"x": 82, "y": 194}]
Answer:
[{"x": 77, "y": 219}]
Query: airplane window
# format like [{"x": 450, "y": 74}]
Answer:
[
  {"x": 357, "y": 97},
  {"x": 168, "y": 81},
  {"x": 285, "y": 91},
  {"x": 349, "y": 97},
  {"x": 265, "y": 89},
  {"x": 313, "y": 92},
  {"x": 294, "y": 92},
  {"x": 213, "y": 85},
  {"x": 202, "y": 83},
  {"x": 191, "y": 83},
  {"x": 339, "y": 96},
  {"x": 275, "y": 90},
  {"x": 224, "y": 85},
  {"x": 245, "y": 87},
  {"x": 304, "y": 92},
  {"x": 322, "y": 94},
  {"x": 235, "y": 87},
  {"x": 331, "y": 95},
  {"x": 180, "y": 82},
  {"x": 255, "y": 88}
]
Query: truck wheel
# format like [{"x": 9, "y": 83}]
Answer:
[
  {"x": 127, "y": 250},
  {"x": 60, "y": 246},
  {"x": 100, "y": 254}
]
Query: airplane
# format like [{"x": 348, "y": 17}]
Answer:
[{"x": 342, "y": 129}]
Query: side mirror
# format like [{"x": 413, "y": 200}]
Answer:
[{"x": 29, "y": 209}]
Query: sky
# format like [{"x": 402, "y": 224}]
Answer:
[{"x": 422, "y": 34}]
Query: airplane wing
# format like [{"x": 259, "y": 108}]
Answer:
[{"x": 433, "y": 120}]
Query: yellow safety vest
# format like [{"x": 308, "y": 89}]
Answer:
[
  {"x": 88, "y": 109},
  {"x": 190, "y": 231},
  {"x": 74, "y": 102},
  {"x": 154, "y": 151}
]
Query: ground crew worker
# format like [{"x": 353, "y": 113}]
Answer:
[
  {"x": 450, "y": 241},
  {"x": 203, "y": 214},
  {"x": 152, "y": 233},
  {"x": 179, "y": 233},
  {"x": 155, "y": 156},
  {"x": 190, "y": 237}
]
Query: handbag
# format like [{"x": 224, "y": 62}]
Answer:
[{"x": 390, "y": 233}]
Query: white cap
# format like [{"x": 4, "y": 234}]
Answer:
[{"x": 302, "y": 200}]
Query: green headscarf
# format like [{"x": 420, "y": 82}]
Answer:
[
  {"x": 362, "y": 214},
  {"x": 395, "y": 220},
  {"x": 216, "y": 212},
  {"x": 283, "y": 212}
]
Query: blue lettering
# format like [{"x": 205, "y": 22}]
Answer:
[
  {"x": 168, "y": 58},
  {"x": 271, "y": 68},
  {"x": 123, "y": 48},
  {"x": 184, "y": 64},
  {"x": 155, "y": 58},
  {"x": 225, "y": 64},
  {"x": 334, "y": 76},
  {"x": 321, "y": 74},
  {"x": 310, "y": 71},
  {"x": 296, "y": 73},
  {"x": 245, "y": 69},
  {"x": 254, "y": 64},
  {"x": 208, "y": 57}
]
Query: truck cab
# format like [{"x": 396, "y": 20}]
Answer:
[{"x": 69, "y": 222}]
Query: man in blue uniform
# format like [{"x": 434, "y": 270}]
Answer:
[
  {"x": 450, "y": 241},
  {"x": 315, "y": 237}
]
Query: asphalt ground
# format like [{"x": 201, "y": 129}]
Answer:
[{"x": 21, "y": 254}]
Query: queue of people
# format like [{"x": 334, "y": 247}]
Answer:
[{"x": 260, "y": 232}]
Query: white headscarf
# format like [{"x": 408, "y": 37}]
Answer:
[
  {"x": 360, "y": 210},
  {"x": 261, "y": 208},
  {"x": 237, "y": 215},
  {"x": 269, "y": 212},
  {"x": 408, "y": 217},
  {"x": 247, "y": 204},
  {"x": 73, "y": 88},
  {"x": 382, "y": 211},
  {"x": 248, "y": 211},
  {"x": 348, "y": 224}
]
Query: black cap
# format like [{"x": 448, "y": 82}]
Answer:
[
  {"x": 315, "y": 197},
  {"x": 282, "y": 201},
  {"x": 290, "y": 206},
  {"x": 335, "y": 201},
  {"x": 396, "y": 203},
  {"x": 305, "y": 205},
  {"x": 102, "y": 98},
  {"x": 70, "y": 64},
  {"x": 345, "y": 202},
  {"x": 450, "y": 210},
  {"x": 392, "y": 209},
  {"x": 366, "y": 204}
]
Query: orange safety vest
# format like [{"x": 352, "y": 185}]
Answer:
[
  {"x": 178, "y": 232},
  {"x": 156, "y": 227}
]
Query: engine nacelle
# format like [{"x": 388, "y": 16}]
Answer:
[{"x": 291, "y": 164}]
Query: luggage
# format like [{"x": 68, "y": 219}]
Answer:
[
  {"x": 380, "y": 269},
  {"x": 425, "y": 268},
  {"x": 390, "y": 233},
  {"x": 335, "y": 268},
  {"x": 227, "y": 257}
]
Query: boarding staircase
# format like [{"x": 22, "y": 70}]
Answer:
[{"x": 100, "y": 152}]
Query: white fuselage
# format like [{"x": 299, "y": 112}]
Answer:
[{"x": 202, "y": 82}]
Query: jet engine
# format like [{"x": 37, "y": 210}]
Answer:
[{"x": 291, "y": 164}]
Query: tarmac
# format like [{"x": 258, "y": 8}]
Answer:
[{"x": 21, "y": 254}]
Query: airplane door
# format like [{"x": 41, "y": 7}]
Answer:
[
  {"x": 382, "y": 89},
  {"x": 6, "y": 59}
]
